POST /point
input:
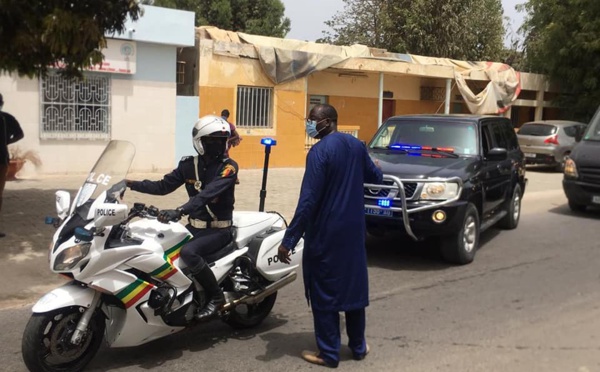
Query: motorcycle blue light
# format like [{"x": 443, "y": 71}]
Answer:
[
  {"x": 384, "y": 203},
  {"x": 268, "y": 142}
]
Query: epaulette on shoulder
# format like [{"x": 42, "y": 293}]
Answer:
[{"x": 186, "y": 158}]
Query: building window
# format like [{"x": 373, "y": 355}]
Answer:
[
  {"x": 75, "y": 108},
  {"x": 254, "y": 107},
  {"x": 180, "y": 72}
]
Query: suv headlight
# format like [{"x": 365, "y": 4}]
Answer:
[
  {"x": 68, "y": 258},
  {"x": 439, "y": 191},
  {"x": 571, "y": 168}
]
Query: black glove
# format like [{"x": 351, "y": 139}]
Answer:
[
  {"x": 116, "y": 191},
  {"x": 168, "y": 215}
]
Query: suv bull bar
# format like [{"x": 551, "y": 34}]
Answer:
[{"x": 397, "y": 192}]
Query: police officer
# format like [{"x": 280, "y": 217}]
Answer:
[{"x": 210, "y": 183}]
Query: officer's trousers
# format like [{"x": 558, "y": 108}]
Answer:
[{"x": 204, "y": 242}]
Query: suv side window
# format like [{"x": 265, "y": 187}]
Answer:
[
  {"x": 499, "y": 135},
  {"x": 487, "y": 142},
  {"x": 511, "y": 136}
]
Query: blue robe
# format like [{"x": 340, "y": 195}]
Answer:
[{"x": 330, "y": 214}]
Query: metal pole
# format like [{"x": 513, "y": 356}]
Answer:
[
  {"x": 380, "y": 108},
  {"x": 263, "y": 190},
  {"x": 448, "y": 96}
]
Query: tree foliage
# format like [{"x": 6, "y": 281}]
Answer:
[
  {"x": 259, "y": 17},
  {"x": 562, "y": 39},
  {"x": 38, "y": 34},
  {"x": 459, "y": 29}
]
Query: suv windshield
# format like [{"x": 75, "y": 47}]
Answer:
[
  {"x": 456, "y": 137},
  {"x": 541, "y": 130},
  {"x": 593, "y": 131}
]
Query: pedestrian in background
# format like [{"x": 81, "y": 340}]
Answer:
[
  {"x": 235, "y": 138},
  {"x": 330, "y": 215},
  {"x": 10, "y": 132}
]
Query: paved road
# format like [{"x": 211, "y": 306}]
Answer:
[{"x": 529, "y": 302}]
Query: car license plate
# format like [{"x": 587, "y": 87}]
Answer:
[
  {"x": 596, "y": 199},
  {"x": 529, "y": 155},
  {"x": 379, "y": 212}
]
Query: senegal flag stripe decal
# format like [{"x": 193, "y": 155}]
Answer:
[
  {"x": 133, "y": 292},
  {"x": 164, "y": 272},
  {"x": 167, "y": 266},
  {"x": 169, "y": 274},
  {"x": 172, "y": 254}
]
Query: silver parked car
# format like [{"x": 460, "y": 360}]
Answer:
[{"x": 549, "y": 141}]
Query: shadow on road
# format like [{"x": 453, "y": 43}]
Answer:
[
  {"x": 592, "y": 213},
  {"x": 542, "y": 169},
  {"x": 22, "y": 218},
  {"x": 198, "y": 339},
  {"x": 396, "y": 251}
]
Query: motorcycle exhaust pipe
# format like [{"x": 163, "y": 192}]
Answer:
[{"x": 261, "y": 295}]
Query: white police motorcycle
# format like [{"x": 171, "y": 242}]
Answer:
[{"x": 127, "y": 284}]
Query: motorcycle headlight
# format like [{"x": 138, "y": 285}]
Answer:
[
  {"x": 571, "y": 168},
  {"x": 68, "y": 258},
  {"x": 439, "y": 191}
]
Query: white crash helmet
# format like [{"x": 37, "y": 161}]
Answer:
[{"x": 209, "y": 126}]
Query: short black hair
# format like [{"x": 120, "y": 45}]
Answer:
[
  {"x": 225, "y": 113},
  {"x": 326, "y": 111},
  {"x": 1, "y": 99}
]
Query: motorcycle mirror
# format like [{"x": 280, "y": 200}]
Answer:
[
  {"x": 63, "y": 202},
  {"x": 109, "y": 214}
]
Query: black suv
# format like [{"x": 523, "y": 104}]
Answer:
[
  {"x": 582, "y": 169},
  {"x": 451, "y": 176}
]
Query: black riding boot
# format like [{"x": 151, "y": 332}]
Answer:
[{"x": 214, "y": 295}]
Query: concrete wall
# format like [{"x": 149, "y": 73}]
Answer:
[
  {"x": 356, "y": 97},
  {"x": 187, "y": 114}
]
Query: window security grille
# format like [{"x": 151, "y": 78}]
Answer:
[
  {"x": 254, "y": 107},
  {"x": 75, "y": 109},
  {"x": 180, "y": 72}
]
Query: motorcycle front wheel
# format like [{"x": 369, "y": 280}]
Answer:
[
  {"x": 247, "y": 316},
  {"x": 47, "y": 346}
]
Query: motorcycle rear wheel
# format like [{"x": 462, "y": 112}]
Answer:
[
  {"x": 46, "y": 345},
  {"x": 248, "y": 316}
]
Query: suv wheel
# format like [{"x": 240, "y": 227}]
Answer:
[
  {"x": 460, "y": 248},
  {"x": 513, "y": 210},
  {"x": 577, "y": 207}
]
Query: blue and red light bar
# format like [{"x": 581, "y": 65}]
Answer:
[{"x": 398, "y": 146}]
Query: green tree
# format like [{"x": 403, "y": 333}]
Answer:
[
  {"x": 460, "y": 29},
  {"x": 260, "y": 17},
  {"x": 562, "y": 40},
  {"x": 38, "y": 34}
]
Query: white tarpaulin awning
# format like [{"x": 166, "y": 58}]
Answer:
[
  {"x": 502, "y": 90},
  {"x": 285, "y": 60}
]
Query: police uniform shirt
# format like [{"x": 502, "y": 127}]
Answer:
[{"x": 214, "y": 187}]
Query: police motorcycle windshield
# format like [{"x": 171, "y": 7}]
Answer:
[{"x": 110, "y": 168}]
